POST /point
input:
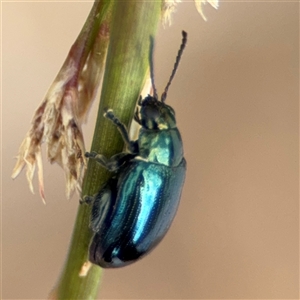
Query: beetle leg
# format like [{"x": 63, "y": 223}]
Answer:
[
  {"x": 118, "y": 160},
  {"x": 99, "y": 158},
  {"x": 103, "y": 202},
  {"x": 136, "y": 116},
  {"x": 87, "y": 199},
  {"x": 132, "y": 146},
  {"x": 140, "y": 101},
  {"x": 114, "y": 163}
]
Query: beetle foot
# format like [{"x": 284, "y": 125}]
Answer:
[
  {"x": 99, "y": 158},
  {"x": 92, "y": 154},
  {"x": 109, "y": 114},
  {"x": 86, "y": 199}
]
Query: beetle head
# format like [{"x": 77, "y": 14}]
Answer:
[{"x": 156, "y": 115}]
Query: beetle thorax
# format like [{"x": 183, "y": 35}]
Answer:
[{"x": 161, "y": 146}]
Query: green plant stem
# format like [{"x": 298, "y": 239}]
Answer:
[{"x": 133, "y": 22}]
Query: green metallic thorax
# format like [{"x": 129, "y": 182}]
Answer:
[{"x": 161, "y": 146}]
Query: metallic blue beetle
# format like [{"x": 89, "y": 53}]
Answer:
[{"x": 133, "y": 211}]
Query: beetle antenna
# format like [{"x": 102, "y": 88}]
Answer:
[
  {"x": 180, "y": 51},
  {"x": 152, "y": 67}
]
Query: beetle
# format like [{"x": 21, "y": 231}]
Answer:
[{"x": 134, "y": 209}]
